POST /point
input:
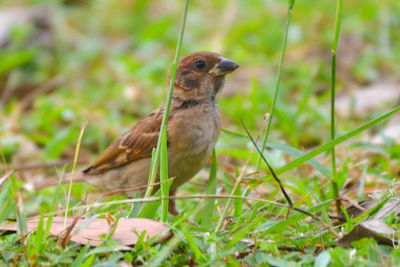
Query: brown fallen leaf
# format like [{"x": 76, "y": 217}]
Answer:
[
  {"x": 364, "y": 205},
  {"x": 359, "y": 232},
  {"x": 127, "y": 230},
  {"x": 374, "y": 226},
  {"x": 65, "y": 236}
]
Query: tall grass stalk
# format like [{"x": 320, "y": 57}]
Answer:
[
  {"x": 78, "y": 145},
  {"x": 338, "y": 21},
  {"x": 235, "y": 187},
  {"x": 278, "y": 79},
  {"x": 162, "y": 136},
  {"x": 164, "y": 176},
  {"x": 233, "y": 192}
]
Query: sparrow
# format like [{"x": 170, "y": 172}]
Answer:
[{"x": 193, "y": 128}]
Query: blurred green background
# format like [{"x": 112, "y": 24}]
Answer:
[{"x": 62, "y": 62}]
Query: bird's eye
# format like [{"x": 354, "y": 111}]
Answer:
[{"x": 200, "y": 64}]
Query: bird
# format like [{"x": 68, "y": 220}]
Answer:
[{"x": 193, "y": 127}]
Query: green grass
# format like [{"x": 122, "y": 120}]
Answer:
[
  {"x": 160, "y": 154},
  {"x": 338, "y": 18},
  {"x": 278, "y": 79},
  {"x": 107, "y": 64}
]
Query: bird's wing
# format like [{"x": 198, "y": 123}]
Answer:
[{"x": 135, "y": 144}]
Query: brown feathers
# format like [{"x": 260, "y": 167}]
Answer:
[
  {"x": 135, "y": 144},
  {"x": 192, "y": 130}
]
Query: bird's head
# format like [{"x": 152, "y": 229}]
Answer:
[{"x": 201, "y": 75}]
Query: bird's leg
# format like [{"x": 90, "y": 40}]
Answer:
[{"x": 172, "y": 205}]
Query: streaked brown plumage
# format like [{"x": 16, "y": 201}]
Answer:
[{"x": 193, "y": 127}]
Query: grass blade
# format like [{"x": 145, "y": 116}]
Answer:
[
  {"x": 78, "y": 145},
  {"x": 234, "y": 189},
  {"x": 149, "y": 210},
  {"x": 283, "y": 190},
  {"x": 166, "y": 250},
  {"x": 333, "y": 89},
  {"x": 53, "y": 207},
  {"x": 280, "y": 226},
  {"x": 278, "y": 79},
  {"x": 135, "y": 207},
  {"x": 174, "y": 66},
  {"x": 39, "y": 235},
  {"x": 3, "y": 204},
  {"x": 196, "y": 250},
  {"x": 287, "y": 149},
  {"x": 238, "y": 203},
  {"x": 164, "y": 177},
  {"x": 209, "y": 204},
  {"x": 335, "y": 142}
]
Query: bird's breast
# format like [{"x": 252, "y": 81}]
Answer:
[
  {"x": 195, "y": 130},
  {"x": 191, "y": 138}
]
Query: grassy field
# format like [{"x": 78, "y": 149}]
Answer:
[{"x": 63, "y": 63}]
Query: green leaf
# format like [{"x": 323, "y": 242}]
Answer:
[
  {"x": 39, "y": 234},
  {"x": 135, "y": 207},
  {"x": 209, "y": 204},
  {"x": 196, "y": 250},
  {"x": 323, "y": 259},
  {"x": 13, "y": 60},
  {"x": 81, "y": 256},
  {"x": 164, "y": 176},
  {"x": 149, "y": 210},
  {"x": 280, "y": 226},
  {"x": 238, "y": 203},
  {"x": 53, "y": 207}
]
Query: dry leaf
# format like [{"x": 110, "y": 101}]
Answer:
[
  {"x": 127, "y": 230},
  {"x": 356, "y": 210},
  {"x": 65, "y": 236},
  {"x": 359, "y": 232},
  {"x": 374, "y": 226}
]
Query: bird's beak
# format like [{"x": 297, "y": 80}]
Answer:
[{"x": 224, "y": 67}]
